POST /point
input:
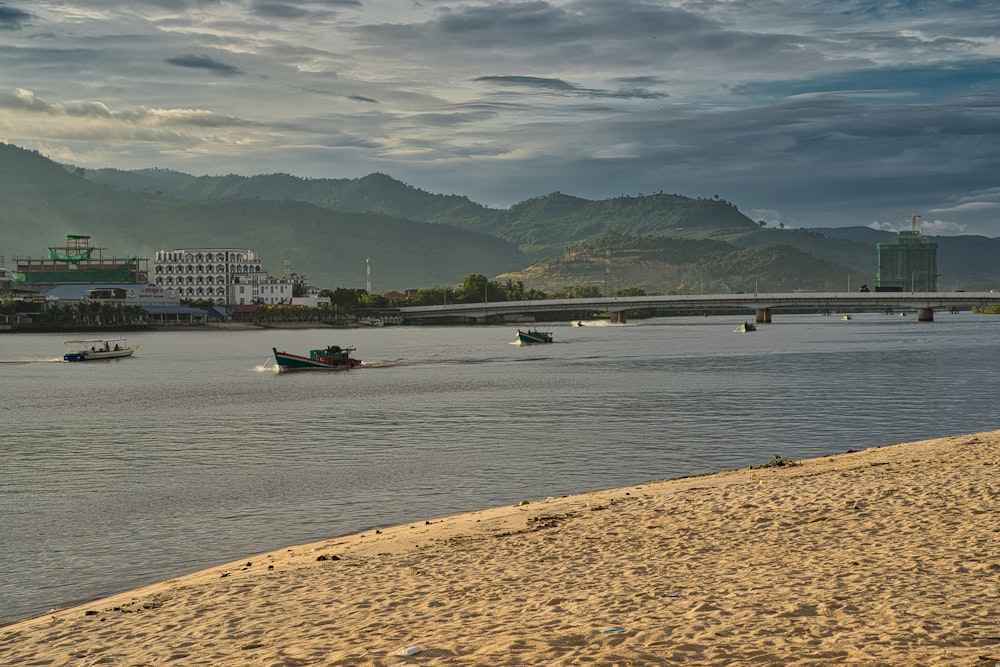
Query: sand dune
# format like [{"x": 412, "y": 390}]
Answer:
[{"x": 889, "y": 556}]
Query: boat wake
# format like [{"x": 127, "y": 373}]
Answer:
[
  {"x": 31, "y": 361},
  {"x": 271, "y": 367},
  {"x": 441, "y": 362}
]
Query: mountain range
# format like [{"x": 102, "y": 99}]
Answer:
[{"x": 330, "y": 230}]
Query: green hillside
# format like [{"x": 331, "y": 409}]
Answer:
[
  {"x": 41, "y": 202},
  {"x": 327, "y": 227},
  {"x": 614, "y": 262},
  {"x": 541, "y": 226},
  {"x": 375, "y": 193}
]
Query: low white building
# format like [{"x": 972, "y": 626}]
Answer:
[
  {"x": 224, "y": 276},
  {"x": 311, "y": 301}
]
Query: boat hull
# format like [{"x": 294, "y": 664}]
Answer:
[
  {"x": 532, "y": 337},
  {"x": 99, "y": 355},
  {"x": 98, "y": 349},
  {"x": 294, "y": 362}
]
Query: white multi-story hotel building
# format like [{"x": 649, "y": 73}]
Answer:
[{"x": 232, "y": 276}]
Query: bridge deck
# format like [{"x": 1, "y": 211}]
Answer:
[{"x": 818, "y": 301}]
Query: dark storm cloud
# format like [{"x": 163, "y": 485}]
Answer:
[
  {"x": 819, "y": 112},
  {"x": 204, "y": 62},
  {"x": 582, "y": 40},
  {"x": 278, "y": 10},
  {"x": 557, "y": 85},
  {"x": 564, "y": 87},
  {"x": 12, "y": 18},
  {"x": 275, "y": 9}
]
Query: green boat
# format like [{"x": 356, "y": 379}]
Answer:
[
  {"x": 332, "y": 357},
  {"x": 531, "y": 337}
]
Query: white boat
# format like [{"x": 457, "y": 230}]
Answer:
[{"x": 94, "y": 349}]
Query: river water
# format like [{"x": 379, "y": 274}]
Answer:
[{"x": 196, "y": 452}]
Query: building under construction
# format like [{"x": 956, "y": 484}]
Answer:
[
  {"x": 909, "y": 264},
  {"x": 78, "y": 261}
]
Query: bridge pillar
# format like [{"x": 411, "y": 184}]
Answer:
[
  {"x": 925, "y": 314},
  {"x": 763, "y": 316},
  {"x": 619, "y": 317}
]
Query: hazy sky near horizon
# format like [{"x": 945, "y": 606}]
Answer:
[{"x": 802, "y": 112}]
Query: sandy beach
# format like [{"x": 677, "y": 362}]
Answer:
[{"x": 889, "y": 556}]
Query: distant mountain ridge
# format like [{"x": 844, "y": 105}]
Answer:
[
  {"x": 541, "y": 225},
  {"x": 328, "y": 227},
  {"x": 41, "y": 202}
]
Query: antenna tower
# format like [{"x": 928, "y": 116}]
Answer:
[
  {"x": 368, "y": 274},
  {"x": 607, "y": 269}
]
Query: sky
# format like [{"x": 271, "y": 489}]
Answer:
[{"x": 802, "y": 113}]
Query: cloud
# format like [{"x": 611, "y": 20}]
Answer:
[
  {"x": 559, "y": 86},
  {"x": 804, "y": 112},
  {"x": 974, "y": 206},
  {"x": 278, "y": 10},
  {"x": 928, "y": 227},
  {"x": 12, "y": 18},
  {"x": 531, "y": 82},
  {"x": 26, "y": 101},
  {"x": 204, "y": 62}
]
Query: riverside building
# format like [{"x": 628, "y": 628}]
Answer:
[
  {"x": 223, "y": 276},
  {"x": 909, "y": 264},
  {"x": 78, "y": 261}
]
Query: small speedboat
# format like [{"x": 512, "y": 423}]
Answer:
[
  {"x": 746, "y": 327},
  {"x": 95, "y": 349}
]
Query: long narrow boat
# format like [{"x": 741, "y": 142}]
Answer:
[
  {"x": 95, "y": 349},
  {"x": 532, "y": 337},
  {"x": 332, "y": 357}
]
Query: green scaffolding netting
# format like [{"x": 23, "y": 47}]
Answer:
[{"x": 81, "y": 256}]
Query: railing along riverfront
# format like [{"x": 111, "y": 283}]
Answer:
[{"x": 763, "y": 305}]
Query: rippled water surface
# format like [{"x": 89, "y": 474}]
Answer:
[{"x": 195, "y": 452}]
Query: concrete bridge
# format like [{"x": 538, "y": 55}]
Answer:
[{"x": 761, "y": 305}]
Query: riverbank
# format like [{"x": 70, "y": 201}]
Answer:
[
  {"x": 98, "y": 332},
  {"x": 888, "y": 556}
]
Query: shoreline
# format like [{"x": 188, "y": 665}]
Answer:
[
  {"x": 886, "y": 556},
  {"x": 97, "y": 332}
]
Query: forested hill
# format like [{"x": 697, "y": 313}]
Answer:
[
  {"x": 328, "y": 227},
  {"x": 374, "y": 193},
  {"x": 540, "y": 226},
  {"x": 41, "y": 202}
]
